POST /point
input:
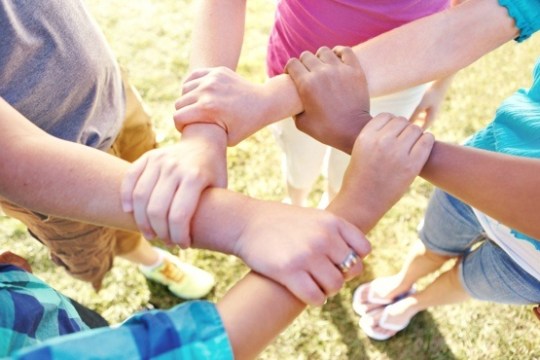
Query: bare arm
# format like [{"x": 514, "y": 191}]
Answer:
[
  {"x": 502, "y": 186},
  {"x": 436, "y": 46},
  {"x": 216, "y": 41},
  {"x": 218, "y": 33},
  {"x": 55, "y": 177},
  {"x": 431, "y": 48},
  {"x": 333, "y": 98},
  {"x": 427, "y": 49}
]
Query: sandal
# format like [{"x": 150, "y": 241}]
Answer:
[
  {"x": 383, "y": 323},
  {"x": 359, "y": 307}
]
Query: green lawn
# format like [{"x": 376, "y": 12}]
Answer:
[{"x": 151, "y": 40}]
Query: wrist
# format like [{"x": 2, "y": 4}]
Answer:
[
  {"x": 227, "y": 211},
  {"x": 211, "y": 134},
  {"x": 282, "y": 99},
  {"x": 358, "y": 205}
]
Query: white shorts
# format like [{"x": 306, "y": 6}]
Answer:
[{"x": 304, "y": 156}]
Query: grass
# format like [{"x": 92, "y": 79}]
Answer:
[{"x": 151, "y": 40}]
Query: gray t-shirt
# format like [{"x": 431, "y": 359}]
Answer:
[{"x": 57, "y": 70}]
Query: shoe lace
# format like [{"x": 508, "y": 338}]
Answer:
[{"x": 172, "y": 272}]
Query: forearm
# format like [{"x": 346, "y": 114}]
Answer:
[
  {"x": 55, "y": 177},
  {"x": 254, "y": 312},
  {"x": 361, "y": 209},
  {"x": 435, "y": 46},
  {"x": 81, "y": 175},
  {"x": 503, "y": 187},
  {"x": 428, "y": 49},
  {"x": 218, "y": 33}
]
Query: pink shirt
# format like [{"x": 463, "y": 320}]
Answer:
[{"x": 309, "y": 24}]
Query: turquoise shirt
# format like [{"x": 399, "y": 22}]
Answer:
[{"x": 516, "y": 127}]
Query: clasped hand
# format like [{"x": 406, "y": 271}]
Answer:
[
  {"x": 162, "y": 188},
  {"x": 222, "y": 97}
]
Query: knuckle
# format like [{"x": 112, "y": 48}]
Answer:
[
  {"x": 330, "y": 221},
  {"x": 176, "y": 219},
  {"x": 145, "y": 228},
  {"x": 336, "y": 285},
  {"x": 139, "y": 196},
  {"x": 195, "y": 176},
  {"x": 155, "y": 212},
  {"x": 313, "y": 296},
  {"x": 184, "y": 242},
  {"x": 318, "y": 299}
]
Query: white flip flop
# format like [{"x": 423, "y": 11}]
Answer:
[
  {"x": 384, "y": 324},
  {"x": 357, "y": 304}
]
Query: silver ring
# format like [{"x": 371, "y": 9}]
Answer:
[{"x": 350, "y": 260}]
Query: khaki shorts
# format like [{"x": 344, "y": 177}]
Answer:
[{"x": 87, "y": 251}]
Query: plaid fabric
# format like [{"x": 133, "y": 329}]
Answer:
[{"x": 31, "y": 312}]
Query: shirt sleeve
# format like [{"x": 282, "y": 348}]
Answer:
[
  {"x": 526, "y": 14},
  {"x": 192, "y": 330}
]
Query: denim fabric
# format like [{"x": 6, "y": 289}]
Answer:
[{"x": 487, "y": 273}]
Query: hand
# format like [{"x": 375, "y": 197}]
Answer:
[
  {"x": 334, "y": 92},
  {"x": 425, "y": 113},
  {"x": 162, "y": 188},
  {"x": 387, "y": 155},
  {"x": 300, "y": 248},
  {"x": 222, "y": 97}
]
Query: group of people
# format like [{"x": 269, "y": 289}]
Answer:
[{"x": 70, "y": 124}]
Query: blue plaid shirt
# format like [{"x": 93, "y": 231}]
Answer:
[{"x": 33, "y": 316}]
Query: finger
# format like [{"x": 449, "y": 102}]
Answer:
[
  {"x": 159, "y": 204},
  {"x": 305, "y": 288},
  {"x": 197, "y": 74},
  {"x": 354, "y": 238},
  {"x": 377, "y": 123},
  {"x": 296, "y": 70},
  {"x": 185, "y": 100},
  {"x": 130, "y": 181},
  {"x": 357, "y": 243},
  {"x": 141, "y": 196},
  {"x": 409, "y": 136},
  {"x": 347, "y": 56},
  {"x": 310, "y": 61},
  {"x": 327, "y": 276},
  {"x": 339, "y": 248},
  {"x": 339, "y": 50},
  {"x": 356, "y": 270},
  {"x": 328, "y": 56},
  {"x": 415, "y": 117},
  {"x": 429, "y": 118},
  {"x": 395, "y": 126},
  {"x": 423, "y": 146},
  {"x": 183, "y": 207},
  {"x": 192, "y": 114},
  {"x": 189, "y": 86}
]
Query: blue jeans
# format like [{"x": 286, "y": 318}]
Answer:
[{"x": 487, "y": 272}]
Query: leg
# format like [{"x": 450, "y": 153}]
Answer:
[
  {"x": 302, "y": 162},
  {"x": 383, "y": 323},
  {"x": 486, "y": 273},
  {"x": 450, "y": 228}
]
